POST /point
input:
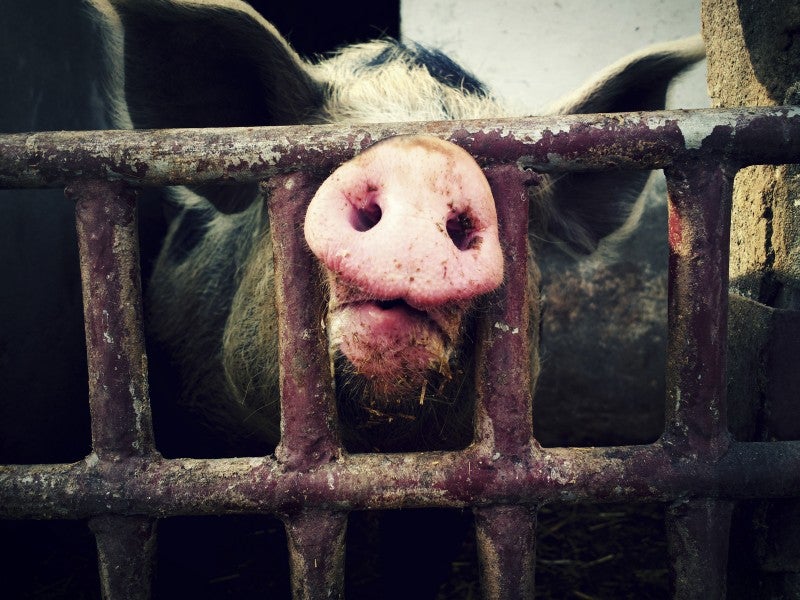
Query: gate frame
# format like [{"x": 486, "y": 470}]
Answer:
[{"x": 124, "y": 485}]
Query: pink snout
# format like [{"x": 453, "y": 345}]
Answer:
[
  {"x": 407, "y": 232},
  {"x": 411, "y": 218}
]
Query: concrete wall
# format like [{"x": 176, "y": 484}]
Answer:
[{"x": 532, "y": 53}]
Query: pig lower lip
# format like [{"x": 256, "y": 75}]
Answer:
[{"x": 388, "y": 340}]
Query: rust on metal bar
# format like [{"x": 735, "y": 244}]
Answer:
[
  {"x": 309, "y": 423},
  {"x": 566, "y": 142},
  {"x": 372, "y": 481},
  {"x": 698, "y": 534},
  {"x": 109, "y": 255},
  {"x": 316, "y": 553},
  {"x": 504, "y": 421},
  {"x": 126, "y": 555},
  {"x": 118, "y": 390},
  {"x": 506, "y": 537},
  {"x": 699, "y": 202},
  {"x": 700, "y": 195}
]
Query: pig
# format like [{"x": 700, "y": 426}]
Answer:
[
  {"x": 210, "y": 306},
  {"x": 405, "y": 267}
]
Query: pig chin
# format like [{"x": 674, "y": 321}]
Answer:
[{"x": 394, "y": 346}]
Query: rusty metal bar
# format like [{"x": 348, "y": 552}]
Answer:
[
  {"x": 567, "y": 142},
  {"x": 698, "y": 534},
  {"x": 109, "y": 255},
  {"x": 118, "y": 390},
  {"x": 309, "y": 431},
  {"x": 309, "y": 423},
  {"x": 700, "y": 195},
  {"x": 699, "y": 202},
  {"x": 126, "y": 555},
  {"x": 504, "y": 423},
  {"x": 261, "y": 485},
  {"x": 507, "y": 571},
  {"x": 503, "y": 413},
  {"x": 316, "y": 553}
]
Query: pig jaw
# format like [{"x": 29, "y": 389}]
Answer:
[{"x": 394, "y": 346}]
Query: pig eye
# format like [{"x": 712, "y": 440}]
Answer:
[
  {"x": 367, "y": 216},
  {"x": 461, "y": 230}
]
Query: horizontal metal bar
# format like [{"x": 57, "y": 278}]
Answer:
[
  {"x": 657, "y": 472},
  {"x": 650, "y": 140}
]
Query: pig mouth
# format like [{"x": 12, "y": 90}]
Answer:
[{"x": 391, "y": 342}]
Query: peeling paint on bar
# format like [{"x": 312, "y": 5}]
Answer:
[
  {"x": 582, "y": 142},
  {"x": 308, "y": 407},
  {"x": 506, "y": 538},
  {"x": 695, "y": 134},
  {"x": 372, "y": 481}
]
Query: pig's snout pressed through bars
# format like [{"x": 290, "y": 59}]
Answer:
[{"x": 412, "y": 218}]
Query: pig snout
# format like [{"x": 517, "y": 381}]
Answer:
[
  {"x": 407, "y": 233},
  {"x": 411, "y": 218}
]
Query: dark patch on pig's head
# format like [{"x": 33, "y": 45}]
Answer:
[
  {"x": 441, "y": 67},
  {"x": 385, "y": 80}
]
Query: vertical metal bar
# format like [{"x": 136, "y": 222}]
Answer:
[
  {"x": 700, "y": 196},
  {"x": 504, "y": 414},
  {"x": 109, "y": 255},
  {"x": 126, "y": 554},
  {"x": 309, "y": 426},
  {"x": 316, "y": 554},
  {"x": 506, "y": 535},
  {"x": 697, "y": 535},
  {"x": 118, "y": 390},
  {"x": 309, "y": 423}
]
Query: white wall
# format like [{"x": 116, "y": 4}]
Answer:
[{"x": 532, "y": 52}]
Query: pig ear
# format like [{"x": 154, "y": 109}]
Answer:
[
  {"x": 587, "y": 207},
  {"x": 205, "y": 63}
]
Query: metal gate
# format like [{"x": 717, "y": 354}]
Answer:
[{"x": 124, "y": 485}]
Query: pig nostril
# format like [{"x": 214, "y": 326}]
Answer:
[
  {"x": 366, "y": 217},
  {"x": 461, "y": 230}
]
